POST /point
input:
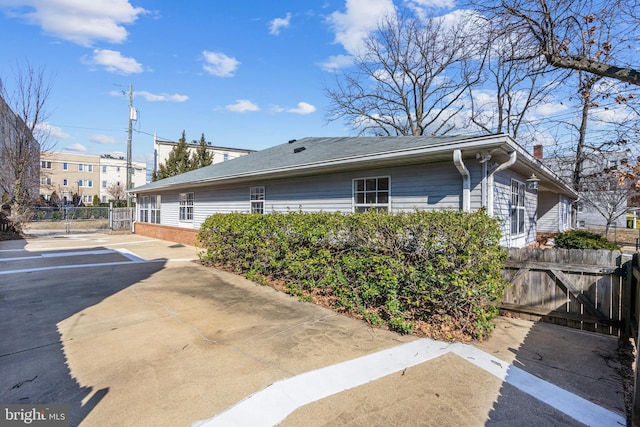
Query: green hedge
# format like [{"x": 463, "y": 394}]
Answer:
[
  {"x": 439, "y": 271},
  {"x": 582, "y": 239}
]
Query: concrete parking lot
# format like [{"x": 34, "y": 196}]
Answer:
[{"x": 129, "y": 331}]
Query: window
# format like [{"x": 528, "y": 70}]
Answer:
[
  {"x": 371, "y": 193},
  {"x": 149, "y": 209},
  {"x": 45, "y": 181},
  {"x": 257, "y": 200},
  {"x": 104, "y": 184},
  {"x": 186, "y": 207},
  {"x": 613, "y": 163},
  {"x": 225, "y": 157},
  {"x": 65, "y": 166},
  {"x": 65, "y": 182},
  {"x": 517, "y": 207},
  {"x": 85, "y": 168},
  {"x": 85, "y": 183},
  {"x": 87, "y": 198},
  {"x": 118, "y": 169},
  {"x": 104, "y": 169},
  {"x": 581, "y": 223},
  {"x": 45, "y": 165}
]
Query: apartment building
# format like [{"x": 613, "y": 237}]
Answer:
[
  {"x": 219, "y": 154},
  {"x": 87, "y": 176}
]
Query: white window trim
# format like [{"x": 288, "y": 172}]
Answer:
[
  {"x": 356, "y": 205},
  {"x": 256, "y": 205},
  {"x": 184, "y": 214},
  {"x": 522, "y": 208}
]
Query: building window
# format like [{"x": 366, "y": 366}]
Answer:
[
  {"x": 104, "y": 184},
  {"x": 104, "y": 169},
  {"x": 45, "y": 181},
  {"x": 149, "y": 209},
  {"x": 85, "y": 183},
  {"x": 225, "y": 157},
  {"x": 65, "y": 166},
  {"x": 371, "y": 193},
  {"x": 613, "y": 163},
  {"x": 45, "y": 165},
  {"x": 257, "y": 200},
  {"x": 186, "y": 207},
  {"x": 65, "y": 182},
  {"x": 517, "y": 207},
  {"x": 87, "y": 198},
  {"x": 85, "y": 168}
]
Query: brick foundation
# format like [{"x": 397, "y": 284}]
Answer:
[{"x": 186, "y": 236}]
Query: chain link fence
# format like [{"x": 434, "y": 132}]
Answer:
[{"x": 74, "y": 219}]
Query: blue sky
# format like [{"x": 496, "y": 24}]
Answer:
[{"x": 247, "y": 74}]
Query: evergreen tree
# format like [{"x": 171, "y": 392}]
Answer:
[
  {"x": 179, "y": 160},
  {"x": 202, "y": 156}
]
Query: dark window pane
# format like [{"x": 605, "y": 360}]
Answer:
[
  {"x": 371, "y": 184},
  {"x": 371, "y": 197},
  {"x": 360, "y": 185},
  {"x": 383, "y": 197},
  {"x": 359, "y": 197},
  {"x": 383, "y": 183}
]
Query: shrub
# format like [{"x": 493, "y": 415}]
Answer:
[
  {"x": 581, "y": 239},
  {"x": 437, "y": 271}
]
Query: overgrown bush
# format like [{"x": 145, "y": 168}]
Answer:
[
  {"x": 439, "y": 272},
  {"x": 582, "y": 239}
]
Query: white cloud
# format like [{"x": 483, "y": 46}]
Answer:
[
  {"x": 52, "y": 131},
  {"x": 114, "y": 62},
  {"x": 77, "y": 147},
  {"x": 440, "y": 4},
  {"x": 160, "y": 97},
  {"x": 336, "y": 62},
  {"x": 361, "y": 16},
  {"x": 104, "y": 139},
  {"x": 242, "y": 106},
  {"x": 79, "y": 21},
  {"x": 220, "y": 65},
  {"x": 278, "y": 23},
  {"x": 550, "y": 109},
  {"x": 302, "y": 109}
]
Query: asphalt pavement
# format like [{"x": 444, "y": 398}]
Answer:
[{"x": 130, "y": 331}]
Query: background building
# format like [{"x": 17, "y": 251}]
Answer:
[
  {"x": 220, "y": 154},
  {"x": 67, "y": 174}
]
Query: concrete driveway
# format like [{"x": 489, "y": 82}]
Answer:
[{"x": 128, "y": 331}]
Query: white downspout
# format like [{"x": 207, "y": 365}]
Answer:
[
  {"x": 512, "y": 159},
  {"x": 484, "y": 158},
  {"x": 466, "y": 180}
]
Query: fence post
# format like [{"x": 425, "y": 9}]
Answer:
[
  {"x": 111, "y": 216},
  {"x": 626, "y": 269}
]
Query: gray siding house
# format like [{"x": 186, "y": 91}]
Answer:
[{"x": 354, "y": 174}]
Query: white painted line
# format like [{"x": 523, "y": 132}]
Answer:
[
  {"x": 61, "y": 255},
  {"x": 576, "y": 407},
  {"x": 64, "y": 267},
  {"x": 270, "y": 406},
  {"x": 273, "y": 404},
  {"x": 127, "y": 253}
]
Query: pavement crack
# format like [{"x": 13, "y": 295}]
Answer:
[{"x": 21, "y": 383}]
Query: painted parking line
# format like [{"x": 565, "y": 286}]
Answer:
[
  {"x": 275, "y": 403},
  {"x": 131, "y": 259}
]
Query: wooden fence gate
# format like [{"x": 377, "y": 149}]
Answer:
[{"x": 581, "y": 289}]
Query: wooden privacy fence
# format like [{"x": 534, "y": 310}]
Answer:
[{"x": 582, "y": 289}]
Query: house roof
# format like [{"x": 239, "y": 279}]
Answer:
[{"x": 310, "y": 156}]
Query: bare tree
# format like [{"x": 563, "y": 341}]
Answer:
[
  {"x": 116, "y": 191},
  {"x": 559, "y": 28},
  {"x": 410, "y": 78},
  {"x": 511, "y": 87},
  {"x": 22, "y": 137}
]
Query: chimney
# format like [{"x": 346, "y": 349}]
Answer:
[{"x": 538, "y": 152}]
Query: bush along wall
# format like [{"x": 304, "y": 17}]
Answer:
[{"x": 438, "y": 273}]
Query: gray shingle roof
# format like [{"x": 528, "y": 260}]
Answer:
[{"x": 304, "y": 153}]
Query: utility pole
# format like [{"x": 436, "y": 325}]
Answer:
[{"x": 131, "y": 114}]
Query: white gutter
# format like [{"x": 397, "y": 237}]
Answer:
[
  {"x": 512, "y": 160},
  {"x": 466, "y": 180}
]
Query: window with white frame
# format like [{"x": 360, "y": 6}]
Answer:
[
  {"x": 371, "y": 193},
  {"x": 65, "y": 182},
  {"x": 257, "y": 200},
  {"x": 149, "y": 210},
  {"x": 517, "y": 207},
  {"x": 85, "y": 168},
  {"x": 65, "y": 166},
  {"x": 87, "y": 198},
  {"x": 45, "y": 164},
  {"x": 85, "y": 183},
  {"x": 186, "y": 206},
  {"x": 45, "y": 181}
]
